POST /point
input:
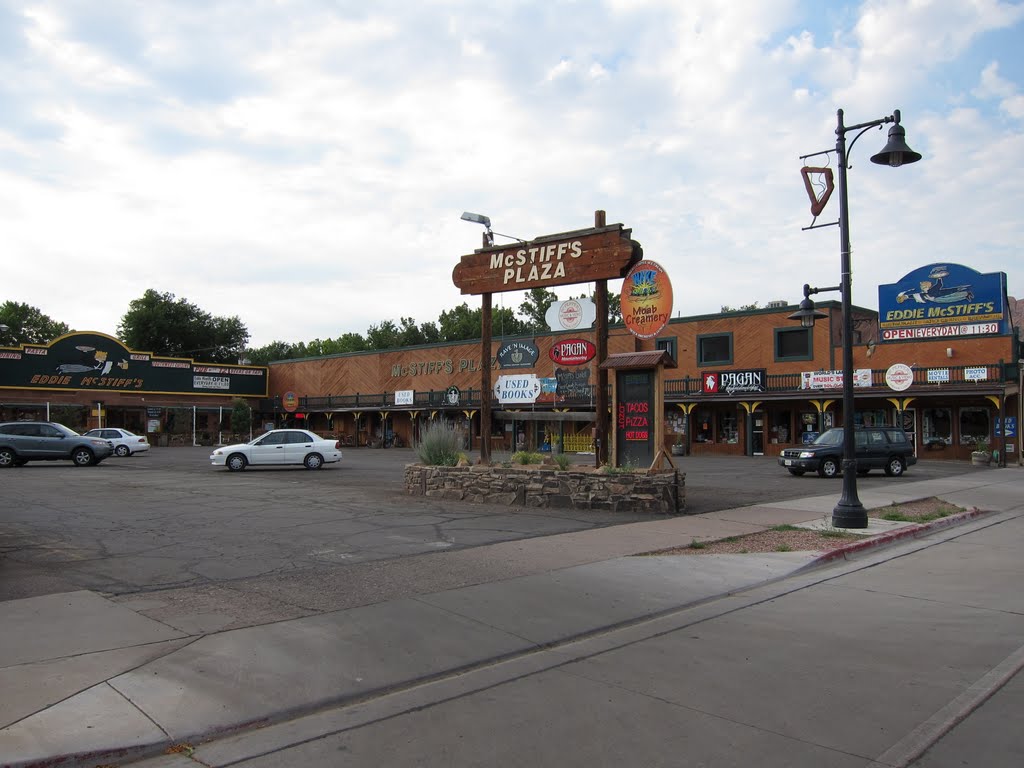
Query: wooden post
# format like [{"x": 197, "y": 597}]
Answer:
[
  {"x": 485, "y": 380},
  {"x": 601, "y": 301}
]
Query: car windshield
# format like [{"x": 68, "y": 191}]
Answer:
[{"x": 829, "y": 437}]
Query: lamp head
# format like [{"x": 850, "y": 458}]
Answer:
[
  {"x": 896, "y": 152},
  {"x": 477, "y": 218},
  {"x": 807, "y": 314}
]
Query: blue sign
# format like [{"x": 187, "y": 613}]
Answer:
[
  {"x": 1011, "y": 427},
  {"x": 943, "y": 300}
]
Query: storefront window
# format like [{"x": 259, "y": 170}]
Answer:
[
  {"x": 727, "y": 432},
  {"x": 875, "y": 418},
  {"x": 702, "y": 426},
  {"x": 780, "y": 426},
  {"x": 938, "y": 427},
  {"x": 974, "y": 425}
]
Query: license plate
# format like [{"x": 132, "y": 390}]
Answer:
[{"x": 789, "y": 462}]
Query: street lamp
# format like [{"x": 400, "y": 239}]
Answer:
[
  {"x": 4, "y": 329},
  {"x": 849, "y": 512}
]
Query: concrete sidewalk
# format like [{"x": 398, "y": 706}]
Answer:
[{"x": 89, "y": 681}]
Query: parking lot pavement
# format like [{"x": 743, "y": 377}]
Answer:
[{"x": 103, "y": 706}]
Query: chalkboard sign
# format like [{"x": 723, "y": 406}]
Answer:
[{"x": 634, "y": 418}]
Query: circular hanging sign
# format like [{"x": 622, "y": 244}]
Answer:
[
  {"x": 289, "y": 401},
  {"x": 899, "y": 377},
  {"x": 646, "y": 299}
]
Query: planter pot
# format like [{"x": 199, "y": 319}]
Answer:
[
  {"x": 981, "y": 458},
  {"x": 677, "y": 450}
]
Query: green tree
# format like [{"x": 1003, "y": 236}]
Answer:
[
  {"x": 241, "y": 416},
  {"x": 382, "y": 336},
  {"x": 27, "y": 325},
  {"x": 744, "y": 308},
  {"x": 159, "y": 323},
  {"x": 535, "y": 308},
  {"x": 275, "y": 350},
  {"x": 460, "y": 323}
]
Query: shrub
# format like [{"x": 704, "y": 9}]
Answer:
[
  {"x": 439, "y": 445},
  {"x": 526, "y": 457},
  {"x": 561, "y": 461}
]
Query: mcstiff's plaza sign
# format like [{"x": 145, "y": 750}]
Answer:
[{"x": 603, "y": 253}]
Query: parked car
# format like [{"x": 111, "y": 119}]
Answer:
[
  {"x": 279, "y": 446},
  {"x": 125, "y": 443},
  {"x": 884, "y": 448},
  {"x": 24, "y": 441}
]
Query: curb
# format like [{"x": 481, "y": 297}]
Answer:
[{"x": 882, "y": 540}]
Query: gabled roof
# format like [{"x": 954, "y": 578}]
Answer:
[{"x": 623, "y": 360}]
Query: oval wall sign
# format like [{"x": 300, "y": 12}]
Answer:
[
  {"x": 646, "y": 299},
  {"x": 572, "y": 352}
]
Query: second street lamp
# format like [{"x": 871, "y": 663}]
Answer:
[{"x": 849, "y": 512}]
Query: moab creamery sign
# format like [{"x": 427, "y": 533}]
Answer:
[
  {"x": 601, "y": 253},
  {"x": 646, "y": 299}
]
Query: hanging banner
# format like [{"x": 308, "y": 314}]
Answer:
[
  {"x": 646, "y": 299},
  {"x": 572, "y": 352},
  {"x": 523, "y": 388},
  {"x": 518, "y": 354}
]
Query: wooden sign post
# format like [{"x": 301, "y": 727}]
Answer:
[{"x": 582, "y": 256}]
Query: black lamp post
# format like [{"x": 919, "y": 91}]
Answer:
[{"x": 849, "y": 512}]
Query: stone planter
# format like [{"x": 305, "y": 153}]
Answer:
[
  {"x": 678, "y": 450},
  {"x": 981, "y": 458},
  {"x": 661, "y": 492}
]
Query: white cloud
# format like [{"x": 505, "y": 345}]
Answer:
[{"x": 304, "y": 167}]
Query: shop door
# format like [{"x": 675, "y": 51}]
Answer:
[
  {"x": 909, "y": 417},
  {"x": 757, "y": 433}
]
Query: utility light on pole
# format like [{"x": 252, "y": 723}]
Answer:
[{"x": 849, "y": 512}]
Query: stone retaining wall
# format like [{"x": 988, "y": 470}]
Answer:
[{"x": 661, "y": 492}]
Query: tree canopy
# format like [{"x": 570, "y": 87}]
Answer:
[
  {"x": 159, "y": 323},
  {"x": 27, "y": 325}
]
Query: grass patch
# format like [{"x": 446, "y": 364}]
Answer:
[
  {"x": 694, "y": 544},
  {"x": 786, "y": 528},
  {"x": 783, "y": 548}
]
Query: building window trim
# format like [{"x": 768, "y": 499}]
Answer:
[
  {"x": 701, "y": 363},
  {"x": 777, "y": 332}
]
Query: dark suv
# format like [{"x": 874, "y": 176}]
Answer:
[
  {"x": 24, "y": 441},
  {"x": 877, "y": 448}
]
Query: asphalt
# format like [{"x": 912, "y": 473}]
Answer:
[{"x": 89, "y": 681}]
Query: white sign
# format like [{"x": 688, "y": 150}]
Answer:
[
  {"x": 979, "y": 373},
  {"x": 404, "y": 396},
  {"x": 571, "y": 315},
  {"x": 899, "y": 377},
  {"x": 523, "y": 388},
  {"x": 942, "y": 331},
  {"x": 938, "y": 375},
  {"x": 211, "y": 382},
  {"x": 833, "y": 379}
]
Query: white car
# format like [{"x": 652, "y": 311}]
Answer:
[
  {"x": 279, "y": 446},
  {"x": 125, "y": 443}
]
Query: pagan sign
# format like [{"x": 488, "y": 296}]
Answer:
[
  {"x": 604, "y": 253},
  {"x": 572, "y": 352}
]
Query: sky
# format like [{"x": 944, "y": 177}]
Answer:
[{"x": 303, "y": 164}]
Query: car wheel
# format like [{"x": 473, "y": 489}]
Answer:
[
  {"x": 236, "y": 462},
  {"x": 7, "y": 458},
  {"x": 314, "y": 461},
  {"x": 122, "y": 450},
  {"x": 796, "y": 472},
  {"x": 83, "y": 457},
  {"x": 895, "y": 466},
  {"x": 828, "y": 468}
]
